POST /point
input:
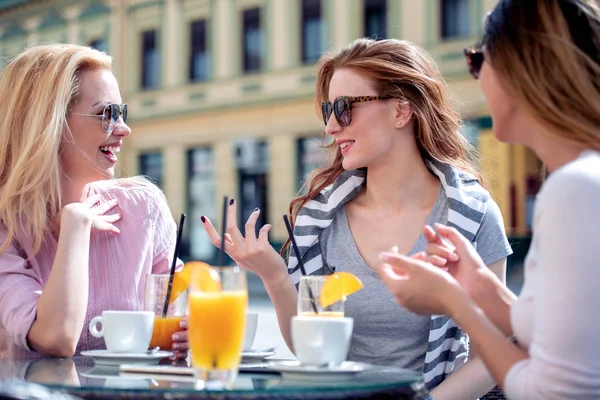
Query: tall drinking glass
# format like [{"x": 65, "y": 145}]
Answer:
[
  {"x": 216, "y": 327},
  {"x": 154, "y": 300},
  {"x": 309, "y": 292}
]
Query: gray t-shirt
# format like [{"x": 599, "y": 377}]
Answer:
[{"x": 385, "y": 333}]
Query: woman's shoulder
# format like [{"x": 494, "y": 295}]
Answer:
[
  {"x": 582, "y": 174},
  {"x": 576, "y": 184},
  {"x": 135, "y": 195},
  {"x": 137, "y": 188}
]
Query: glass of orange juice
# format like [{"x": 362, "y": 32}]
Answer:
[
  {"x": 218, "y": 301},
  {"x": 309, "y": 295},
  {"x": 154, "y": 300}
]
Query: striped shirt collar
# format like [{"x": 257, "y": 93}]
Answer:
[{"x": 447, "y": 344}]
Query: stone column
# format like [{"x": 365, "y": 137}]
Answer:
[
  {"x": 171, "y": 49},
  {"x": 224, "y": 39},
  {"x": 338, "y": 15},
  {"x": 284, "y": 36}
]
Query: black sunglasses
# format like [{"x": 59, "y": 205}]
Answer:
[
  {"x": 110, "y": 116},
  {"x": 342, "y": 108},
  {"x": 475, "y": 58}
]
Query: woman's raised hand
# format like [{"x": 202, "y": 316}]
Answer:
[
  {"x": 252, "y": 252},
  {"x": 91, "y": 211}
]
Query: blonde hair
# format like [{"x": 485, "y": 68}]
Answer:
[
  {"x": 547, "y": 56},
  {"x": 402, "y": 70},
  {"x": 38, "y": 87}
]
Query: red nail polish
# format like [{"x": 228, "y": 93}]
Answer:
[
  {"x": 203, "y": 218},
  {"x": 231, "y": 202}
]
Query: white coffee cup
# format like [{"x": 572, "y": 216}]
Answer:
[
  {"x": 250, "y": 333},
  {"x": 124, "y": 331},
  {"x": 321, "y": 340}
]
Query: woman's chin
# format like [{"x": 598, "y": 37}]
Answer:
[{"x": 350, "y": 164}]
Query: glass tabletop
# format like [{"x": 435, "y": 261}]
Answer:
[{"x": 80, "y": 377}]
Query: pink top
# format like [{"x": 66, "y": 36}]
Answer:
[{"x": 118, "y": 265}]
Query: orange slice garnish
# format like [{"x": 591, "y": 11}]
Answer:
[
  {"x": 337, "y": 287},
  {"x": 204, "y": 276}
]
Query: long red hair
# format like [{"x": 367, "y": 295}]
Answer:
[{"x": 402, "y": 70}]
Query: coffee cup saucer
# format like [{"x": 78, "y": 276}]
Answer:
[
  {"x": 254, "y": 355},
  {"x": 296, "y": 371},
  {"x": 105, "y": 357}
]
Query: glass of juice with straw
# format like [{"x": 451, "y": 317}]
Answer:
[
  {"x": 325, "y": 295},
  {"x": 154, "y": 300},
  {"x": 218, "y": 299}
]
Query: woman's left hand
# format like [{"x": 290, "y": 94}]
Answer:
[
  {"x": 180, "y": 341},
  {"x": 419, "y": 286}
]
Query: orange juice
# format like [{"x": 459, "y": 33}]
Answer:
[
  {"x": 164, "y": 328},
  {"x": 216, "y": 327}
]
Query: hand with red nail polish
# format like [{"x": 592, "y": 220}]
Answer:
[{"x": 251, "y": 252}]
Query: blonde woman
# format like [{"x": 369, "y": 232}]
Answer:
[
  {"x": 539, "y": 67},
  {"x": 73, "y": 241},
  {"x": 399, "y": 163}
]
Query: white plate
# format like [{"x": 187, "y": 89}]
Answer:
[
  {"x": 256, "y": 356},
  {"x": 104, "y": 357},
  {"x": 293, "y": 370}
]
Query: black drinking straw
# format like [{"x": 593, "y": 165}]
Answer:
[
  {"x": 168, "y": 296},
  {"x": 300, "y": 263},
  {"x": 223, "y": 230}
]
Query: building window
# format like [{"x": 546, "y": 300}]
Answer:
[
  {"x": 251, "y": 40},
  {"x": 150, "y": 60},
  {"x": 455, "y": 18},
  {"x": 310, "y": 156},
  {"x": 201, "y": 201},
  {"x": 151, "y": 165},
  {"x": 199, "y": 58},
  {"x": 375, "y": 23},
  {"x": 252, "y": 163},
  {"x": 98, "y": 44},
  {"x": 312, "y": 31}
]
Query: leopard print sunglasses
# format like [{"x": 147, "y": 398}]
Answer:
[{"x": 342, "y": 108}]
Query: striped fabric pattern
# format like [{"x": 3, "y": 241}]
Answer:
[{"x": 447, "y": 345}]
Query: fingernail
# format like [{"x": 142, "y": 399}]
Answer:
[
  {"x": 176, "y": 346},
  {"x": 231, "y": 202},
  {"x": 175, "y": 337},
  {"x": 256, "y": 209},
  {"x": 203, "y": 218},
  {"x": 183, "y": 323},
  {"x": 453, "y": 257}
]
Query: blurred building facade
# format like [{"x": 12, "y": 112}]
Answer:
[{"x": 221, "y": 92}]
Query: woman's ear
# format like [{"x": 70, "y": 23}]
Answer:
[{"x": 404, "y": 113}]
